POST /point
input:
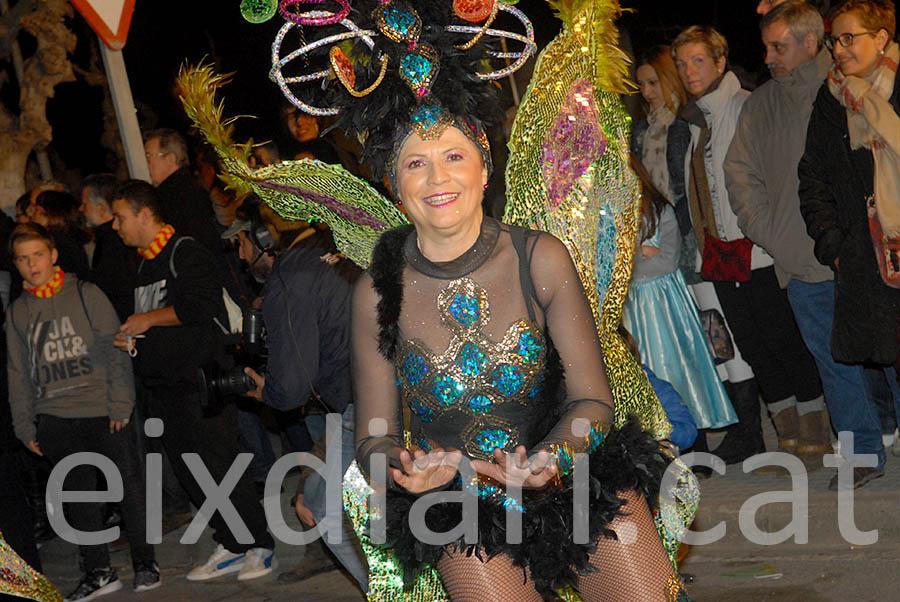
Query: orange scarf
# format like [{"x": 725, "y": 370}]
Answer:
[
  {"x": 53, "y": 286},
  {"x": 158, "y": 243}
]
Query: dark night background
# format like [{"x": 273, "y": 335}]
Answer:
[{"x": 165, "y": 34}]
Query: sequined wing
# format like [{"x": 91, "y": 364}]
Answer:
[
  {"x": 568, "y": 174},
  {"x": 296, "y": 190},
  {"x": 18, "y": 579}
]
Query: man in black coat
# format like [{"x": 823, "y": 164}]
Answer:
[
  {"x": 185, "y": 204},
  {"x": 113, "y": 265}
]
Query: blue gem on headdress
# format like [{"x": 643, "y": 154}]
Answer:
[
  {"x": 418, "y": 69},
  {"x": 397, "y": 24},
  {"x": 421, "y": 410},
  {"x": 414, "y": 369},
  {"x": 447, "y": 390},
  {"x": 471, "y": 360},
  {"x": 426, "y": 115},
  {"x": 508, "y": 379},
  {"x": 399, "y": 20},
  {"x": 490, "y": 439},
  {"x": 481, "y": 404},
  {"x": 429, "y": 119},
  {"x": 529, "y": 349},
  {"x": 465, "y": 309}
]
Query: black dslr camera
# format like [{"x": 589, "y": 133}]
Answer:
[{"x": 221, "y": 382}]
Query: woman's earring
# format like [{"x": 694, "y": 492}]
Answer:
[{"x": 485, "y": 186}]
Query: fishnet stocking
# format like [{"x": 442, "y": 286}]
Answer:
[
  {"x": 634, "y": 568},
  {"x": 468, "y": 579}
]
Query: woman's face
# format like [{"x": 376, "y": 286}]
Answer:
[
  {"x": 441, "y": 182},
  {"x": 303, "y": 127},
  {"x": 862, "y": 56},
  {"x": 648, "y": 82},
  {"x": 697, "y": 68}
]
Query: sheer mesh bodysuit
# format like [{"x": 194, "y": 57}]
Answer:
[{"x": 470, "y": 357}]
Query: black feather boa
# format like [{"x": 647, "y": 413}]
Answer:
[
  {"x": 386, "y": 271},
  {"x": 629, "y": 459}
]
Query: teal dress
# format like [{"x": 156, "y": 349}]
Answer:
[{"x": 662, "y": 317}]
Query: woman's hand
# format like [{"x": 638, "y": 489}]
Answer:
[
  {"x": 303, "y": 512},
  {"x": 422, "y": 471},
  {"x": 516, "y": 469},
  {"x": 648, "y": 251}
]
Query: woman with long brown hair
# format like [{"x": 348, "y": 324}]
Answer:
[{"x": 659, "y": 311}]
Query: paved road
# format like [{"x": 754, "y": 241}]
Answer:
[{"x": 734, "y": 569}]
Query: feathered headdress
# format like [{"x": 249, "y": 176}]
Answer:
[{"x": 391, "y": 68}]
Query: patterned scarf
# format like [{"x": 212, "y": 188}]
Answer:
[
  {"x": 52, "y": 286},
  {"x": 654, "y": 151},
  {"x": 874, "y": 124},
  {"x": 158, "y": 243}
]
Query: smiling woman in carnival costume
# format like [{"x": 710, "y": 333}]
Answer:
[{"x": 482, "y": 349}]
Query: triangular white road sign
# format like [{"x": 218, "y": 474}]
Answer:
[{"x": 110, "y": 19}]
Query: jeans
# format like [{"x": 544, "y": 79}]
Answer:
[
  {"x": 347, "y": 550},
  {"x": 846, "y": 394},
  {"x": 61, "y": 437},
  {"x": 253, "y": 437}
]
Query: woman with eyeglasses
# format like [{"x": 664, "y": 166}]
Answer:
[{"x": 850, "y": 192}]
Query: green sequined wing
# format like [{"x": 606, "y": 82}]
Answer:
[
  {"x": 569, "y": 174},
  {"x": 296, "y": 190}
]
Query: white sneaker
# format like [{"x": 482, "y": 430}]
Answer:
[
  {"x": 221, "y": 562},
  {"x": 259, "y": 563}
]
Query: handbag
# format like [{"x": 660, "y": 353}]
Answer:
[
  {"x": 726, "y": 260},
  {"x": 718, "y": 339},
  {"x": 887, "y": 250}
]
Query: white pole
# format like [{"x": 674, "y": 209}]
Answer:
[{"x": 125, "y": 112}]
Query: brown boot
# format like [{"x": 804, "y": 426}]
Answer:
[
  {"x": 787, "y": 425},
  {"x": 815, "y": 439},
  {"x": 788, "y": 428}
]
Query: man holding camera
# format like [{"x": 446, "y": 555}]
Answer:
[
  {"x": 176, "y": 329},
  {"x": 306, "y": 310}
]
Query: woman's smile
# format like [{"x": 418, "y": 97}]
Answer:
[{"x": 441, "y": 199}]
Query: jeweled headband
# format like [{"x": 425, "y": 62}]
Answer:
[
  {"x": 429, "y": 122},
  {"x": 384, "y": 68}
]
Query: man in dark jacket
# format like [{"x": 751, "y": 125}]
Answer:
[
  {"x": 185, "y": 204},
  {"x": 178, "y": 302},
  {"x": 306, "y": 309},
  {"x": 113, "y": 266}
]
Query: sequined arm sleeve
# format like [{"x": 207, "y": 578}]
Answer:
[
  {"x": 378, "y": 419},
  {"x": 588, "y": 409}
]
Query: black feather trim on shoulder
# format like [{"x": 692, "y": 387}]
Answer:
[{"x": 386, "y": 271}]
